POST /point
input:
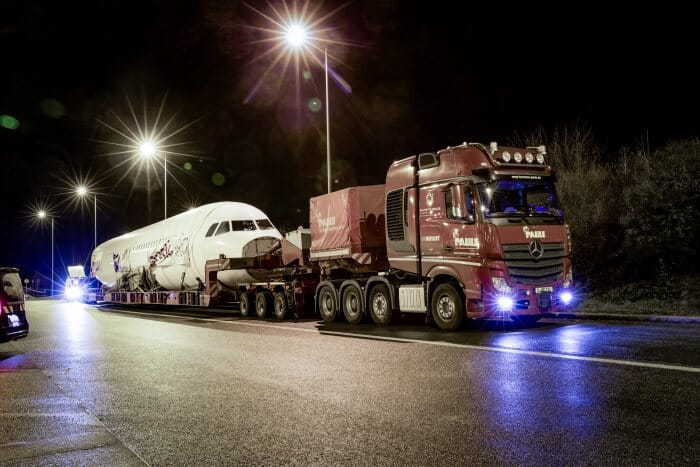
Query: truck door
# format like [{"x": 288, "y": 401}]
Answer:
[
  {"x": 432, "y": 207},
  {"x": 459, "y": 234}
]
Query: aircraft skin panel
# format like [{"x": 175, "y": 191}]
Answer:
[{"x": 179, "y": 245}]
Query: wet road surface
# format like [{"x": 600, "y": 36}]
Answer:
[{"x": 117, "y": 386}]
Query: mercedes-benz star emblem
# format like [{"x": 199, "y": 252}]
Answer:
[{"x": 536, "y": 249}]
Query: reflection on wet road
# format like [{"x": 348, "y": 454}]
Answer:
[{"x": 132, "y": 386}]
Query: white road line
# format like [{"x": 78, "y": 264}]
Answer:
[{"x": 611, "y": 361}]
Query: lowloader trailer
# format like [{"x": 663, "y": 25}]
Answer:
[{"x": 467, "y": 232}]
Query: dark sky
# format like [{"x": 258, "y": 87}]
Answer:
[{"x": 424, "y": 75}]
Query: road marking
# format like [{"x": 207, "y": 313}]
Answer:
[{"x": 535, "y": 353}]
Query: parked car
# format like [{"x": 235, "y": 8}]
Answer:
[{"x": 13, "y": 318}]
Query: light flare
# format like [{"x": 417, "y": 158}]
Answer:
[
  {"x": 296, "y": 35},
  {"x": 140, "y": 137}
]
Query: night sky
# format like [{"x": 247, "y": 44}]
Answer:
[{"x": 424, "y": 75}]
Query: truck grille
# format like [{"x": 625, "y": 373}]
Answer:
[{"x": 524, "y": 269}]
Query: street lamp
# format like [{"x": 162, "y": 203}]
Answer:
[
  {"x": 82, "y": 191},
  {"x": 148, "y": 149},
  {"x": 296, "y": 36},
  {"x": 42, "y": 214}
]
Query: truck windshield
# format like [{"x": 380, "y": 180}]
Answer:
[{"x": 515, "y": 197}]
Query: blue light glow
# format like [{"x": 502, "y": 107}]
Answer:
[
  {"x": 566, "y": 298},
  {"x": 504, "y": 303}
]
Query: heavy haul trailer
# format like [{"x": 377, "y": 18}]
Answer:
[
  {"x": 468, "y": 231},
  {"x": 330, "y": 262}
]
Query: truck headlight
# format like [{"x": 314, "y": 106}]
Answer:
[
  {"x": 501, "y": 285},
  {"x": 566, "y": 297}
]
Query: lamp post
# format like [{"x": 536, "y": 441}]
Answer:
[
  {"x": 148, "y": 149},
  {"x": 42, "y": 215},
  {"x": 83, "y": 191},
  {"x": 296, "y": 36}
]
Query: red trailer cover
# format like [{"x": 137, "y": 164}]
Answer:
[{"x": 348, "y": 222}]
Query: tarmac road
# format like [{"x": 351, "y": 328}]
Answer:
[{"x": 99, "y": 386}]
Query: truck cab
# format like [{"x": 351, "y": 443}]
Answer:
[{"x": 483, "y": 229}]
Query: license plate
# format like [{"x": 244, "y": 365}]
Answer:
[
  {"x": 544, "y": 289},
  {"x": 14, "y": 320}
]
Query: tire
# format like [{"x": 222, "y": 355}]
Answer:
[
  {"x": 279, "y": 306},
  {"x": 447, "y": 307},
  {"x": 327, "y": 308},
  {"x": 245, "y": 304},
  {"x": 353, "y": 309},
  {"x": 380, "y": 305},
  {"x": 262, "y": 305}
]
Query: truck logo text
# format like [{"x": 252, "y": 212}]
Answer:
[
  {"x": 534, "y": 233},
  {"x": 326, "y": 222},
  {"x": 468, "y": 242}
]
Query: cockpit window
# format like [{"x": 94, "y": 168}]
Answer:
[
  {"x": 243, "y": 225},
  {"x": 223, "y": 228},
  {"x": 264, "y": 224},
  {"x": 211, "y": 230}
]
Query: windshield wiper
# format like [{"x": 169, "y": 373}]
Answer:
[{"x": 518, "y": 219}]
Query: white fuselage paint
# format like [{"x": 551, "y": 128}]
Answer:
[{"x": 179, "y": 245}]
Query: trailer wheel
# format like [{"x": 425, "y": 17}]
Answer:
[
  {"x": 380, "y": 305},
  {"x": 245, "y": 304},
  {"x": 326, "y": 304},
  {"x": 353, "y": 309},
  {"x": 447, "y": 307},
  {"x": 262, "y": 304},
  {"x": 279, "y": 305}
]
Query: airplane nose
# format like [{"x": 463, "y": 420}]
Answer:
[{"x": 259, "y": 246}]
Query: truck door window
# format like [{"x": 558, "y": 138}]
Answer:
[
  {"x": 459, "y": 209},
  {"x": 469, "y": 204},
  {"x": 223, "y": 228},
  {"x": 211, "y": 230}
]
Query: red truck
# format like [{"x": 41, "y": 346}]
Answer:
[{"x": 469, "y": 231}]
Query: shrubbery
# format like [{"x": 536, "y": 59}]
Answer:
[{"x": 634, "y": 215}]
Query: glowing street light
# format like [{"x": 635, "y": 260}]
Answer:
[
  {"x": 82, "y": 191},
  {"x": 296, "y": 36},
  {"x": 42, "y": 214},
  {"x": 149, "y": 149}
]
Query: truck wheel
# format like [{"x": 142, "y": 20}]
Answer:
[
  {"x": 326, "y": 304},
  {"x": 262, "y": 304},
  {"x": 279, "y": 306},
  {"x": 245, "y": 304},
  {"x": 380, "y": 305},
  {"x": 447, "y": 307},
  {"x": 353, "y": 309}
]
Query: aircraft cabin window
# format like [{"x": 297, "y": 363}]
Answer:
[
  {"x": 264, "y": 224},
  {"x": 243, "y": 225},
  {"x": 223, "y": 228},
  {"x": 211, "y": 230}
]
